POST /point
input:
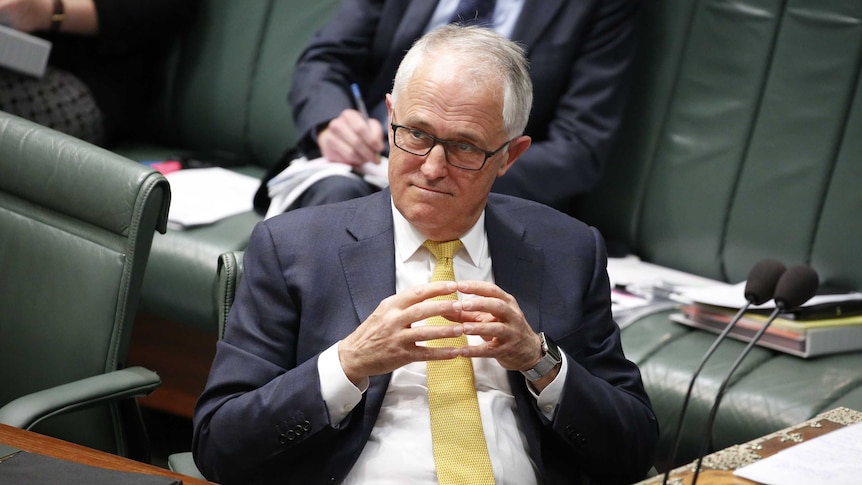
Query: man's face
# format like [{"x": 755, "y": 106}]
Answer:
[{"x": 440, "y": 200}]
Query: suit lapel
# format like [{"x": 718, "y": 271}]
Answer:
[
  {"x": 415, "y": 19},
  {"x": 369, "y": 262},
  {"x": 518, "y": 266},
  {"x": 533, "y": 22}
]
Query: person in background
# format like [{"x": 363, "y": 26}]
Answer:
[
  {"x": 99, "y": 75},
  {"x": 431, "y": 332},
  {"x": 579, "y": 51}
]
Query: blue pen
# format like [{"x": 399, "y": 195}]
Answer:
[{"x": 357, "y": 98}]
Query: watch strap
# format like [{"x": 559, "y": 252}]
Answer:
[
  {"x": 58, "y": 15},
  {"x": 548, "y": 361}
]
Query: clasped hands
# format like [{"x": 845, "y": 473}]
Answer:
[{"x": 388, "y": 340}]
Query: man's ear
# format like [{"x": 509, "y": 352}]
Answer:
[{"x": 516, "y": 147}]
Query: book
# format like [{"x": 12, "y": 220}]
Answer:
[
  {"x": 802, "y": 338},
  {"x": 22, "y": 52}
]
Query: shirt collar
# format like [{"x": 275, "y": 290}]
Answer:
[{"x": 408, "y": 239}]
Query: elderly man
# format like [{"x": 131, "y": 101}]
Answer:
[{"x": 432, "y": 332}]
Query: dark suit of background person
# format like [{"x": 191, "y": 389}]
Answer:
[
  {"x": 579, "y": 53},
  {"x": 325, "y": 277},
  {"x": 114, "y": 68}
]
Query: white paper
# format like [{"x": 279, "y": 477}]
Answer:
[
  {"x": 23, "y": 52},
  {"x": 206, "y": 195},
  {"x": 733, "y": 296},
  {"x": 301, "y": 173},
  {"x": 834, "y": 459}
]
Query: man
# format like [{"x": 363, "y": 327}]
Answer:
[
  {"x": 579, "y": 52},
  {"x": 321, "y": 376}
]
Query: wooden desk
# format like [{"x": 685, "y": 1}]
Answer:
[
  {"x": 717, "y": 468},
  {"x": 56, "y": 448}
]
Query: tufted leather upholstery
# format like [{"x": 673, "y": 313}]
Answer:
[
  {"x": 76, "y": 224},
  {"x": 224, "y": 100},
  {"x": 741, "y": 142}
]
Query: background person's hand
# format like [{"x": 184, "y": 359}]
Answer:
[
  {"x": 26, "y": 15},
  {"x": 351, "y": 138}
]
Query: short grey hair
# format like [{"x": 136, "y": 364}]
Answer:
[{"x": 489, "y": 57}]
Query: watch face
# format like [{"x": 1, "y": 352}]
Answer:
[{"x": 551, "y": 348}]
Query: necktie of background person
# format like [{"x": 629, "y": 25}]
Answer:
[
  {"x": 460, "y": 451},
  {"x": 475, "y": 12}
]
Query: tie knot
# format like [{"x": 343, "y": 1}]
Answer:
[{"x": 443, "y": 249}]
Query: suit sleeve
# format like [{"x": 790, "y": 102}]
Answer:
[
  {"x": 573, "y": 130},
  {"x": 261, "y": 408},
  {"x": 338, "y": 55},
  {"x": 604, "y": 416}
]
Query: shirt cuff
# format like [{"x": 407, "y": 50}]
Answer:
[
  {"x": 550, "y": 396},
  {"x": 339, "y": 394}
]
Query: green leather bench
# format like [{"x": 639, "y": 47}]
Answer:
[
  {"x": 223, "y": 101},
  {"x": 743, "y": 141}
]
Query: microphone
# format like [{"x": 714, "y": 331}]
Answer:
[
  {"x": 759, "y": 289},
  {"x": 796, "y": 286}
]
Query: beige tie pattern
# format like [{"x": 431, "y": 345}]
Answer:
[{"x": 460, "y": 451}]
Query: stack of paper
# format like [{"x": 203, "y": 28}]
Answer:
[
  {"x": 825, "y": 324},
  {"x": 288, "y": 185}
]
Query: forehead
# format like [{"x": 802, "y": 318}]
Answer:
[{"x": 448, "y": 95}]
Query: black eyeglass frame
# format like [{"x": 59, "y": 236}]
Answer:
[{"x": 445, "y": 144}]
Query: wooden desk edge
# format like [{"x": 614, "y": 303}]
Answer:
[
  {"x": 820, "y": 424},
  {"x": 64, "y": 450}
]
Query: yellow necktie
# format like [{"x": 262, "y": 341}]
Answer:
[{"x": 460, "y": 451}]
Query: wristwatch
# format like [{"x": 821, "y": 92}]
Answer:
[{"x": 549, "y": 360}]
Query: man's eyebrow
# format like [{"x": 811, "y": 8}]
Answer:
[{"x": 465, "y": 137}]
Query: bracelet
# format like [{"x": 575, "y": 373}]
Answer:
[{"x": 58, "y": 15}]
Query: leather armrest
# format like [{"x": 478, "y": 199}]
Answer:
[{"x": 26, "y": 411}]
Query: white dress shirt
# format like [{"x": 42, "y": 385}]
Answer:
[{"x": 399, "y": 449}]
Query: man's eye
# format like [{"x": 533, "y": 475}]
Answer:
[
  {"x": 419, "y": 135},
  {"x": 466, "y": 148}
]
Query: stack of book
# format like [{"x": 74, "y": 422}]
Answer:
[{"x": 827, "y": 324}]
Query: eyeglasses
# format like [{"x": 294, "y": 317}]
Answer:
[{"x": 458, "y": 154}]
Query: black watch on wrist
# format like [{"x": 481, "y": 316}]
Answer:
[{"x": 549, "y": 360}]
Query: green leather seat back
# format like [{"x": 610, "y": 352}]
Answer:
[
  {"x": 741, "y": 139},
  {"x": 225, "y": 88},
  {"x": 76, "y": 224},
  {"x": 741, "y": 142}
]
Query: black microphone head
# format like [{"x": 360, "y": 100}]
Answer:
[
  {"x": 762, "y": 280},
  {"x": 796, "y": 286}
]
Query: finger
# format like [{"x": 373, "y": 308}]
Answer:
[
  {"x": 498, "y": 309},
  {"x": 482, "y": 288},
  {"x": 367, "y": 136}
]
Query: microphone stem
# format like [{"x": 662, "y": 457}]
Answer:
[
  {"x": 697, "y": 371},
  {"x": 712, "y": 412}
]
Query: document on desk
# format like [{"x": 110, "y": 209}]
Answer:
[
  {"x": 206, "y": 195},
  {"x": 834, "y": 459}
]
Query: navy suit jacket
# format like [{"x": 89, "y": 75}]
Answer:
[
  {"x": 311, "y": 276},
  {"x": 579, "y": 53}
]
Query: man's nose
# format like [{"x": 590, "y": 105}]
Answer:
[{"x": 435, "y": 164}]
